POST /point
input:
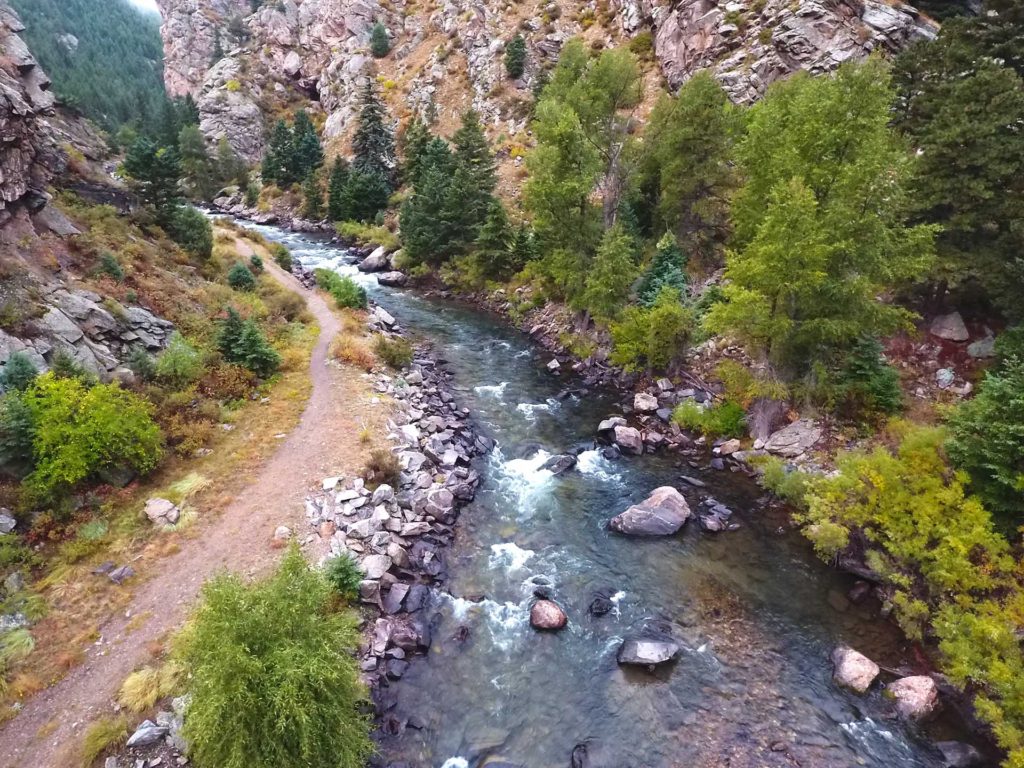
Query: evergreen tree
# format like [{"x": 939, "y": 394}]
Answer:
[
  {"x": 608, "y": 281},
  {"x": 373, "y": 144},
  {"x": 313, "y": 198},
  {"x": 199, "y": 172},
  {"x": 18, "y": 373},
  {"x": 218, "y": 48},
  {"x": 306, "y": 153},
  {"x": 522, "y": 249},
  {"x": 366, "y": 194},
  {"x": 229, "y": 333},
  {"x": 473, "y": 157},
  {"x": 425, "y": 234},
  {"x": 155, "y": 172},
  {"x": 277, "y": 159},
  {"x": 189, "y": 111},
  {"x": 240, "y": 278},
  {"x": 336, "y": 190},
  {"x": 254, "y": 351},
  {"x": 379, "y": 43},
  {"x": 666, "y": 271},
  {"x": 515, "y": 57},
  {"x": 417, "y": 137},
  {"x": 493, "y": 244}
]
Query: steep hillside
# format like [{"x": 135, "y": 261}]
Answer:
[{"x": 446, "y": 55}]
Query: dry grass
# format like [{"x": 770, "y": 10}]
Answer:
[
  {"x": 101, "y": 736},
  {"x": 354, "y": 351},
  {"x": 141, "y": 690}
]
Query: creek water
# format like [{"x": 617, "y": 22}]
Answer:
[{"x": 756, "y": 614}]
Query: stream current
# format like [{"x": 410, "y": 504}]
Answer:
[{"x": 755, "y": 613}]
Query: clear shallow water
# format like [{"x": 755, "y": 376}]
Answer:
[{"x": 751, "y": 608}]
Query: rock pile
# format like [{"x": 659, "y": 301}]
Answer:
[{"x": 398, "y": 531}]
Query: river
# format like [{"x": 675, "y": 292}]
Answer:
[{"x": 757, "y": 615}]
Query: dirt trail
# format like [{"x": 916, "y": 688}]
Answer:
[{"x": 237, "y": 538}]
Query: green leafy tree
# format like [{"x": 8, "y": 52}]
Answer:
[
  {"x": 819, "y": 230},
  {"x": 199, "y": 172},
  {"x": 380, "y": 45},
  {"x": 687, "y": 164},
  {"x": 515, "y": 57},
  {"x": 666, "y": 271},
  {"x": 230, "y": 168},
  {"x": 155, "y": 172},
  {"x": 80, "y": 431},
  {"x": 609, "y": 279},
  {"x": 18, "y": 373},
  {"x": 336, "y": 190},
  {"x": 273, "y": 674},
  {"x": 987, "y": 440},
  {"x": 241, "y": 278},
  {"x": 652, "y": 338}
]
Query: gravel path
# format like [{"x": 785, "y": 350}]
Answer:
[{"x": 238, "y": 538}]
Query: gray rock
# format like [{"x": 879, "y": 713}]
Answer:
[
  {"x": 957, "y": 754},
  {"x": 982, "y": 349},
  {"x": 560, "y": 463},
  {"x": 382, "y": 494},
  {"x": 949, "y": 327},
  {"x": 944, "y": 378},
  {"x": 644, "y": 402},
  {"x": 378, "y": 261},
  {"x": 853, "y": 670},
  {"x": 146, "y": 734},
  {"x": 916, "y": 697},
  {"x": 661, "y": 514},
  {"x": 162, "y": 511},
  {"x": 629, "y": 440},
  {"x": 647, "y": 652},
  {"x": 611, "y": 423},
  {"x": 375, "y": 566},
  {"x": 392, "y": 279},
  {"x": 793, "y": 440},
  {"x": 121, "y": 575},
  {"x": 553, "y": 366},
  {"x": 7, "y": 521},
  {"x": 547, "y": 615}
]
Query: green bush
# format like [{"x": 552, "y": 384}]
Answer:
[
  {"x": 651, "y": 338},
  {"x": 142, "y": 364},
  {"x": 344, "y": 575},
  {"x": 81, "y": 431},
  {"x": 726, "y": 419},
  {"x": 64, "y": 366},
  {"x": 785, "y": 482},
  {"x": 241, "y": 279},
  {"x": 282, "y": 257},
  {"x": 109, "y": 265},
  {"x": 18, "y": 373},
  {"x": 379, "y": 43},
  {"x": 867, "y": 386},
  {"x": 241, "y": 342},
  {"x": 192, "y": 231},
  {"x": 256, "y": 264},
  {"x": 515, "y": 57},
  {"x": 395, "y": 352},
  {"x": 987, "y": 440},
  {"x": 17, "y": 432},
  {"x": 180, "y": 364},
  {"x": 273, "y": 678},
  {"x": 347, "y": 293}
]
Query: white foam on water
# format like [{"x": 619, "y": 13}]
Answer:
[
  {"x": 494, "y": 390},
  {"x": 592, "y": 463},
  {"x": 524, "y": 480},
  {"x": 510, "y": 556},
  {"x": 455, "y": 762},
  {"x": 530, "y": 410}
]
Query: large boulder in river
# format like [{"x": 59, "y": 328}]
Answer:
[
  {"x": 916, "y": 697},
  {"x": 546, "y": 614},
  {"x": 559, "y": 463},
  {"x": 853, "y": 670},
  {"x": 378, "y": 261},
  {"x": 661, "y": 514},
  {"x": 393, "y": 279},
  {"x": 647, "y": 651},
  {"x": 629, "y": 439}
]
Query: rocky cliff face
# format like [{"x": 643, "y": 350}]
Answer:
[
  {"x": 29, "y": 154},
  {"x": 447, "y": 55}
]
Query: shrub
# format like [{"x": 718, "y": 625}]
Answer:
[
  {"x": 141, "y": 690},
  {"x": 344, "y": 575},
  {"x": 18, "y": 373},
  {"x": 379, "y": 43},
  {"x": 515, "y": 57},
  {"x": 141, "y": 364},
  {"x": 101, "y": 736},
  {"x": 180, "y": 363},
  {"x": 284, "y": 304},
  {"x": 867, "y": 386},
  {"x": 17, "y": 432},
  {"x": 80, "y": 431},
  {"x": 642, "y": 45},
  {"x": 395, "y": 352},
  {"x": 726, "y": 419},
  {"x": 987, "y": 440},
  {"x": 192, "y": 231},
  {"x": 64, "y": 366},
  {"x": 256, "y": 264},
  {"x": 273, "y": 676},
  {"x": 382, "y": 468},
  {"x": 241, "y": 279},
  {"x": 785, "y": 482},
  {"x": 282, "y": 257},
  {"x": 109, "y": 265},
  {"x": 350, "y": 349},
  {"x": 347, "y": 293},
  {"x": 242, "y": 342},
  {"x": 742, "y": 386},
  {"x": 651, "y": 338}
]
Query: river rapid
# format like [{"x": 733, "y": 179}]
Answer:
[{"x": 756, "y": 614}]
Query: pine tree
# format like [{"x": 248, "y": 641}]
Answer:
[
  {"x": 523, "y": 248},
  {"x": 425, "y": 234},
  {"x": 229, "y": 333},
  {"x": 18, "y": 373},
  {"x": 473, "y": 157},
  {"x": 608, "y": 281},
  {"x": 306, "y": 152},
  {"x": 313, "y": 198},
  {"x": 373, "y": 144},
  {"x": 155, "y": 172},
  {"x": 202, "y": 181},
  {"x": 254, "y": 352},
  {"x": 417, "y": 137},
  {"x": 277, "y": 159},
  {"x": 515, "y": 57},
  {"x": 493, "y": 244},
  {"x": 336, "y": 190},
  {"x": 379, "y": 43},
  {"x": 218, "y": 48},
  {"x": 366, "y": 194},
  {"x": 666, "y": 271}
]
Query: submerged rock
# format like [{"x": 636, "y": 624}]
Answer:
[
  {"x": 647, "y": 651},
  {"x": 547, "y": 615},
  {"x": 661, "y": 514},
  {"x": 559, "y": 464},
  {"x": 853, "y": 670}
]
